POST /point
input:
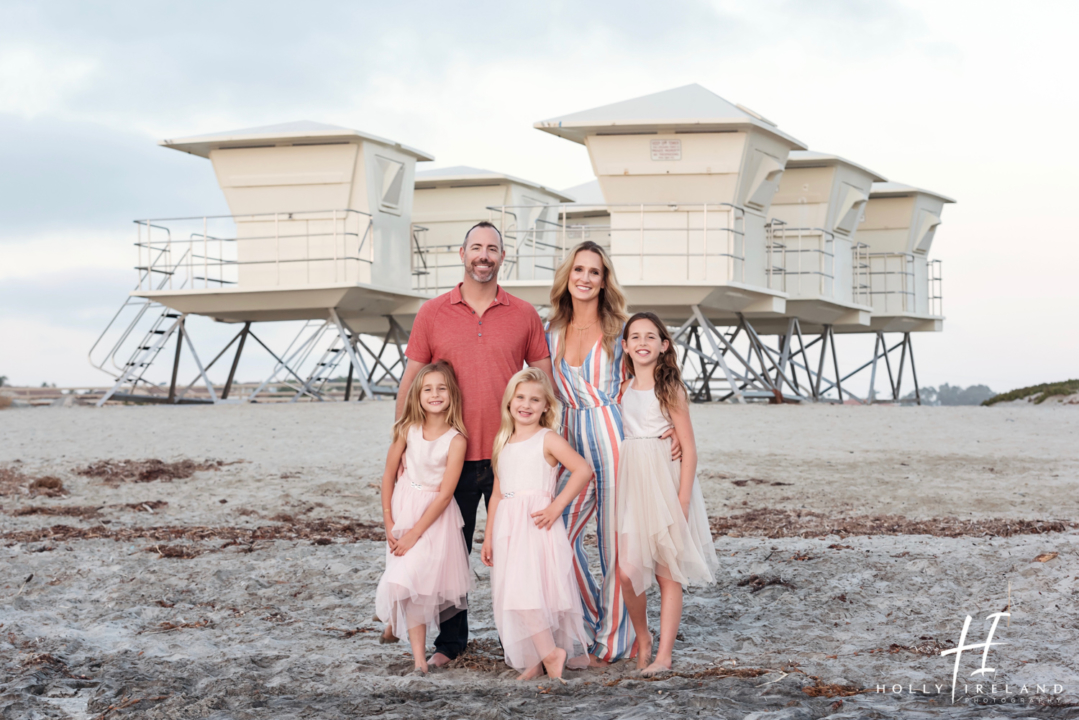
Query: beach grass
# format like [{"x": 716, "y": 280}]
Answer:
[{"x": 1043, "y": 392}]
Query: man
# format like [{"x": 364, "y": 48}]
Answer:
[{"x": 487, "y": 335}]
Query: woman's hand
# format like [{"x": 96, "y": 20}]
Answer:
[
  {"x": 486, "y": 553},
  {"x": 676, "y": 447},
  {"x": 685, "y": 507},
  {"x": 407, "y": 541},
  {"x": 546, "y": 517}
]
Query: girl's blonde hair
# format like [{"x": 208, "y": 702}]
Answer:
[
  {"x": 547, "y": 419},
  {"x": 612, "y": 301},
  {"x": 670, "y": 390},
  {"x": 414, "y": 414}
]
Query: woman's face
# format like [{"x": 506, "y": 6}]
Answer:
[
  {"x": 586, "y": 276},
  {"x": 528, "y": 403},
  {"x": 434, "y": 394}
]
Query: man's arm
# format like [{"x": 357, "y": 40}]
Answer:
[{"x": 546, "y": 366}]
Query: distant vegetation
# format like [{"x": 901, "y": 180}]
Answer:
[
  {"x": 1043, "y": 392},
  {"x": 954, "y": 395}
]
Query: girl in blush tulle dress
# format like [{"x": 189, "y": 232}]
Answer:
[
  {"x": 537, "y": 604},
  {"x": 427, "y": 576},
  {"x": 663, "y": 533}
]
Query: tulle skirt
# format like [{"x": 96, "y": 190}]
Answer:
[
  {"x": 537, "y": 604},
  {"x": 429, "y": 583},
  {"x": 654, "y": 536}
]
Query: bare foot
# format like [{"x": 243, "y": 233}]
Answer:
[
  {"x": 595, "y": 662},
  {"x": 438, "y": 659},
  {"x": 634, "y": 648},
  {"x": 657, "y": 668},
  {"x": 420, "y": 670},
  {"x": 532, "y": 673},
  {"x": 554, "y": 663},
  {"x": 580, "y": 662},
  {"x": 644, "y": 654},
  {"x": 387, "y": 637}
]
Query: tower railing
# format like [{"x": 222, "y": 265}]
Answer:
[
  {"x": 801, "y": 260},
  {"x": 898, "y": 279},
  {"x": 700, "y": 242},
  {"x": 262, "y": 249}
]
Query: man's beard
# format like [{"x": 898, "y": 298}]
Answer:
[{"x": 471, "y": 270}]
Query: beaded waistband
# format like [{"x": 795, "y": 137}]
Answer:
[
  {"x": 422, "y": 488},
  {"x": 526, "y": 493}
]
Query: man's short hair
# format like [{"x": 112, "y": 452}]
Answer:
[{"x": 483, "y": 224}]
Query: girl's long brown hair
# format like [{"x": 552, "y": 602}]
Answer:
[
  {"x": 414, "y": 414},
  {"x": 670, "y": 390},
  {"x": 612, "y": 301},
  {"x": 547, "y": 419}
]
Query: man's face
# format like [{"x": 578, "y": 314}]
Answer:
[{"x": 482, "y": 255}]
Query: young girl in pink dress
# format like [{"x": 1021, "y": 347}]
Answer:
[
  {"x": 537, "y": 605},
  {"x": 663, "y": 533},
  {"x": 427, "y": 577}
]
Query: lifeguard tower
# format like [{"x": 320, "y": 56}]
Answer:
[
  {"x": 449, "y": 201},
  {"x": 817, "y": 260},
  {"x": 905, "y": 287},
  {"x": 687, "y": 179},
  {"x": 319, "y": 230}
]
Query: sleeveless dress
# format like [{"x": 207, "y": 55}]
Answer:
[
  {"x": 654, "y": 536},
  {"x": 592, "y": 424},
  {"x": 537, "y": 606},
  {"x": 430, "y": 582}
]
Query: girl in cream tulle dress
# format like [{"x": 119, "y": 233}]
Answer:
[
  {"x": 537, "y": 604},
  {"x": 663, "y": 534}
]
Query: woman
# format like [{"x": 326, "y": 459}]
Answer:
[{"x": 588, "y": 311}]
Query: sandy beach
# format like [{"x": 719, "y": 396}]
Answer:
[{"x": 235, "y": 578}]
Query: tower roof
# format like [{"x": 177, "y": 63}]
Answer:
[
  {"x": 894, "y": 189},
  {"x": 811, "y": 158},
  {"x": 301, "y": 132},
  {"x": 462, "y": 175},
  {"x": 690, "y": 108}
]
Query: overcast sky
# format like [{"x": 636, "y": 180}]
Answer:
[{"x": 973, "y": 100}]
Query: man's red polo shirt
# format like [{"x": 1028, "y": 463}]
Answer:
[{"x": 485, "y": 353}]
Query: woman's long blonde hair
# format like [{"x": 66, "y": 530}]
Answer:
[
  {"x": 414, "y": 414},
  {"x": 612, "y": 301},
  {"x": 547, "y": 419}
]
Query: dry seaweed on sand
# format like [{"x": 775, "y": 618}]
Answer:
[
  {"x": 119, "y": 471},
  {"x": 148, "y": 506},
  {"x": 170, "y": 626},
  {"x": 346, "y": 634},
  {"x": 83, "y": 511},
  {"x": 820, "y": 689},
  {"x": 757, "y": 583},
  {"x": 926, "y": 646},
  {"x": 14, "y": 482},
  {"x": 712, "y": 672},
  {"x": 182, "y": 552},
  {"x": 346, "y": 530},
  {"x": 774, "y": 523},
  {"x": 482, "y": 655}
]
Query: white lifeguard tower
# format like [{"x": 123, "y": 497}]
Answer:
[
  {"x": 818, "y": 261},
  {"x": 448, "y": 201},
  {"x": 905, "y": 287},
  {"x": 687, "y": 179},
  {"x": 319, "y": 230}
]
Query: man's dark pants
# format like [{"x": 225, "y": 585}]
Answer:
[{"x": 476, "y": 481}]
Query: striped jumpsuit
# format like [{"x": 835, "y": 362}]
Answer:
[{"x": 592, "y": 423}]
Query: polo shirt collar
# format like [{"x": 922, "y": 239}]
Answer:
[{"x": 501, "y": 297}]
